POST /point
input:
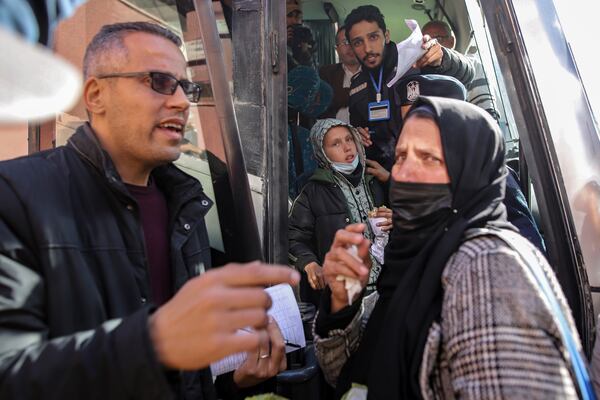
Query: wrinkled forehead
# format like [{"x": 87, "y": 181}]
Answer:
[
  {"x": 421, "y": 130},
  {"x": 149, "y": 52}
]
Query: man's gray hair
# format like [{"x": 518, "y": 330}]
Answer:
[
  {"x": 108, "y": 43},
  {"x": 442, "y": 24}
]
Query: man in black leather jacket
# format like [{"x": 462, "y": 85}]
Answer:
[
  {"x": 102, "y": 242},
  {"x": 367, "y": 33}
]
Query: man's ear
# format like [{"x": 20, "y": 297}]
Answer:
[
  {"x": 387, "y": 36},
  {"x": 93, "y": 96}
]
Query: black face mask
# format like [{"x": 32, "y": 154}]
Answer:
[{"x": 419, "y": 205}]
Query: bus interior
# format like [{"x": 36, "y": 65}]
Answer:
[{"x": 236, "y": 142}]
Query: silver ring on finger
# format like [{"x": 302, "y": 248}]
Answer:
[{"x": 262, "y": 356}]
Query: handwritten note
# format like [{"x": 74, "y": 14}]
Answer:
[{"x": 285, "y": 311}]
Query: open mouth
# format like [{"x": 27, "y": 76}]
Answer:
[
  {"x": 173, "y": 128},
  {"x": 349, "y": 159}
]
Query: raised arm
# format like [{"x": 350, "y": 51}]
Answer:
[{"x": 453, "y": 64}]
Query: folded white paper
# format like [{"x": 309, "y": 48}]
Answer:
[
  {"x": 409, "y": 50},
  {"x": 285, "y": 311}
]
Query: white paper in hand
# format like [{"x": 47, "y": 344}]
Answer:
[
  {"x": 285, "y": 311},
  {"x": 381, "y": 238},
  {"x": 351, "y": 285},
  {"x": 409, "y": 50}
]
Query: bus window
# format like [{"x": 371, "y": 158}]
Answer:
[
  {"x": 558, "y": 136},
  {"x": 579, "y": 151}
]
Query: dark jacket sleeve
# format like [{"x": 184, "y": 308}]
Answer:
[
  {"x": 302, "y": 233},
  {"x": 518, "y": 212},
  {"x": 115, "y": 360},
  {"x": 357, "y": 118},
  {"x": 453, "y": 64}
]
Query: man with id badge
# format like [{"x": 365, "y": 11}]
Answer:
[{"x": 372, "y": 106}]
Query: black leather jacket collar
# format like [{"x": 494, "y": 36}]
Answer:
[{"x": 175, "y": 184}]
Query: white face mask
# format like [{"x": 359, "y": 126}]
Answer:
[{"x": 344, "y": 167}]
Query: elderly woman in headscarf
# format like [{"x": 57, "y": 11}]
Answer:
[
  {"x": 338, "y": 193},
  {"x": 456, "y": 313}
]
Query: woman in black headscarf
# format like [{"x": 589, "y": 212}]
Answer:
[{"x": 455, "y": 314}]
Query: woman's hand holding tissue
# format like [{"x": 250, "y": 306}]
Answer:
[{"x": 341, "y": 262}]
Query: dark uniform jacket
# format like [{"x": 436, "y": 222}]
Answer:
[
  {"x": 318, "y": 212},
  {"x": 385, "y": 133},
  {"x": 74, "y": 284}
]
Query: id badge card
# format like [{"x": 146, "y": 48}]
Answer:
[{"x": 379, "y": 111}]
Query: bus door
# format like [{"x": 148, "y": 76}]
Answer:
[{"x": 546, "y": 104}]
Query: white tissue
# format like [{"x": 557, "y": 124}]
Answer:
[
  {"x": 373, "y": 221},
  {"x": 409, "y": 50},
  {"x": 352, "y": 285},
  {"x": 380, "y": 240}
]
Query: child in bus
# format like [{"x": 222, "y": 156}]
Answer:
[{"x": 338, "y": 193}]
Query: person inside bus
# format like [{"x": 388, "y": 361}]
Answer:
[
  {"x": 372, "y": 103},
  {"x": 339, "y": 77},
  {"x": 456, "y": 313},
  {"x": 406, "y": 91},
  {"x": 102, "y": 242},
  {"x": 479, "y": 88},
  {"x": 294, "y": 16},
  {"x": 308, "y": 97},
  {"x": 338, "y": 193}
]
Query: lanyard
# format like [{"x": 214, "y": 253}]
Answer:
[{"x": 377, "y": 86}]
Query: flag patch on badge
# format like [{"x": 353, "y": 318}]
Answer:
[{"x": 412, "y": 90}]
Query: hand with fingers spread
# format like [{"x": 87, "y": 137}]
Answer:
[
  {"x": 365, "y": 136},
  {"x": 265, "y": 361},
  {"x": 199, "y": 324},
  {"x": 377, "y": 170},
  {"x": 314, "y": 272},
  {"x": 339, "y": 261},
  {"x": 384, "y": 212},
  {"x": 433, "y": 56}
]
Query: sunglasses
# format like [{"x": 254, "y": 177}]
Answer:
[{"x": 162, "y": 83}]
